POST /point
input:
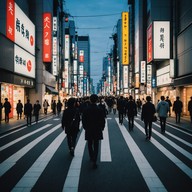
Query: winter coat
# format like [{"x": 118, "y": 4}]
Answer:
[
  {"x": 36, "y": 109},
  {"x": 148, "y": 111},
  {"x": 28, "y": 108},
  {"x": 19, "y": 108},
  {"x": 190, "y": 107},
  {"x": 131, "y": 108},
  {"x": 162, "y": 108},
  {"x": 93, "y": 121},
  {"x": 177, "y": 106},
  {"x": 7, "y": 107},
  {"x": 68, "y": 115}
]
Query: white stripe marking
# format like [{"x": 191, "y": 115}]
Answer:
[
  {"x": 32, "y": 175},
  {"x": 72, "y": 179},
  {"x": 11, "y": 161},
  {"x": 169, "y": 155},
  {"x": 105, "y": 146},
  {"x": 23, "y": 137},
  {"x": 152, "y": 180}
]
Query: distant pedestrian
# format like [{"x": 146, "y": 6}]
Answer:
[
  {"x": 190, "y": 108},
  {"x": 170, "y": 105},
  {"x": 114, "y": 106},
  {"x": 19, "y": 109},
  {"x": 59, "y": 107},
  {"x": 131, "y": 110},
  {"x": 121, "y": 108},
  {"x": 162, "y": 110},
  {"x": 7, "y": 108},
  {"x": 93, "y": 121},
  {"x": 53, "y": 106},
  {"x": 36, "y": 110},
  {"x": 28, "y": 111},
  {"x": 147, "y": 114},
  {"x": 45, "y": 106},
  {"x": 139, "y": 104},
  {"x": 103, "y": 106},
  {"x": 177, "y": 107},
  {"x": 70, "y": 124},
  {"x": 1, "y": 107}
]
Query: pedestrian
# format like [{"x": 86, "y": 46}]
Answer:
[
  {"x": 36, "y": 109},
  {"x": 93, "y": 121},
  {"x": 147, "y": 114},
  {"x": 177, "y": 107},
  {"x": 162, "y": 110},
  {"x": 70, "y": 124},
  {"x": 170, "y": 105},
  {"x": 59, "y": 107},
  {"x": 190, "y": 108},
  {"x": 131, "y": 111},
  {"x": 28, "y": 111},
  {"x": 114, "y": 106},
  {"x": 53, "y": 106},
  {"x": 1, "y": 107},
  {"x": 19, "y": 109},
  {"x": 7, "y": 108},
  {"x": 45, "y": 106},
  {"x": 121, "y": 108},
  {"x": 102, "y": 104},
  {"x": 139, "y": 104}
]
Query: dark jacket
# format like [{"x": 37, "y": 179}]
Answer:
[
  {"x": 93, "y": 121},
  {"x": 148, "y": 111},
  {"x": 19, "y": 108},
  {"x": 28, "y": 108},
  {"x": 190, "y": 107},
  {"x": 121, "y": 105},
  {"x": 7, "y": 107},
  {"x": 36, "y": 109},
  {"x": 177, "y": 106},
  {"x": 68, "y": 115},
  {"x": 131, "y": 108}
]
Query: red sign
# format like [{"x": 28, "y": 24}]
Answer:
[
  {"x": 149, "y": 44},
  {"x": 47, "y": 37},
  {"x": 10, "y": 27}
]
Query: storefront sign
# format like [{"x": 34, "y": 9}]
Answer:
[
  {"x": 19, "y": 27},
  {"x": 125, "y": 77},
  {"x": 163, "y": 76},
  {"x": 81, "y": 56},
  {"x": 47, "y": 37},
  {"x": 143, "y": 71},
  {"x": 54, "y": 65},
  {"x": 149, "y": 44},
  {"x": 161, "y": 39},
  {"x": 125, "y": 38},
  {"x": 149, "y": 79},
  {"x": 24, "y": 62}
]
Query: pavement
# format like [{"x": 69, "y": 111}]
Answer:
[{"x": 13, "y": 124}]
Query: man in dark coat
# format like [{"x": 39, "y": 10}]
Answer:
[
  {"x": 7, "y": 108},
  {"x": 28, "y": 111},
  {"x": 177, "y": 107},
  {"x": 93, "y": 121},
  {"x": 147, "y": 114},
  {"x": 121, "y": 108},
  {"x": 36, "y": 110},
  {"x": 70, "y": 124},
  {"x": 190, "y": 108},
  {"x": 19, "y": 109},
  {"x": 131, "y": 109}
]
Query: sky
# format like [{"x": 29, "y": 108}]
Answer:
[{"x": 98, "y": 19}]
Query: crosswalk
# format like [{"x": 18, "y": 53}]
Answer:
[{"x": 174, "y": 147}]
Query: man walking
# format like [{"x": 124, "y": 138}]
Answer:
[
  {"x": 93, "y": 121},
  {"x": 177, "y": 107},
  {"x": 190, "y": 108},
  {"x": 7, "y": 108},
  {"x": 162, "y": 109},
  {"x": 28, "y": 111}
]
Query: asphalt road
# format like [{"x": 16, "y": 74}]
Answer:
[{"x": 37, "y": 158}]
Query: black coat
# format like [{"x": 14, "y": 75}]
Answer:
[
  {"x": 36, "y": 109},
  {"x": 28, "y": 108},
  {"x": 93, "y": 121},
  {"x": 68, "y": 115},
  {"x": 148, "y": 111},
  {"x": 7, "y": 107},
  {"x": 177, "y": 106},
  {"x": 131, "y": 108}
]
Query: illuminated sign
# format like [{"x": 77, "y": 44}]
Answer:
[
  {"x": 19, "y": 27},
  {"x": 125, "y": 38},
  {"x": 24, "y": 62},
  {"x": 143, "y": 72},
  {"x": 125, "y": 77},
  {"x": 47, "y": 37},
  {"x": 66, "y": 46},
  {"x": 149, "y": 79},
  {"x": 149, "y": 44},
  {"x": 81, "y": 56},
  {"x": 161, "y": 39}
]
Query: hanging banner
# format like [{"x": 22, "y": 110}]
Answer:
[
  {"x": 149, "y": 44},
  {"x": 47, "y": 37}
]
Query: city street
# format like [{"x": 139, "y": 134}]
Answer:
[{"x": 36, "y": 158}]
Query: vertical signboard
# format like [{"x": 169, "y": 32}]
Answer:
[
  {"x": 125, "y": 38},
  {"x": 66, "y": 46},
  {"x": 81, "y": 56},
  {"x": 125, "y": 77},
  {"x": 161, "y": 39},
  {"x": 10, "y": 27},
  {"x": 149, "y": 79},
  {"x": 143, "y": 72},
  {"x": 149, "y": 44},
  {"x": 47, "y": 37}
]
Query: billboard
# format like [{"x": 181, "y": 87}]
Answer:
[
  {"x": 143, "y": 72},
  {"x": 81, "y": 56},
  {"x": 149, "y": 44},
  {"x": 161, "y": 39},
  {"x": 19, "y": 27},
  {"x": 125, "y": 38},
  {"x": 47, "y": 37}
]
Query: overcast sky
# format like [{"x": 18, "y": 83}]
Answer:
[{"x": 96, "y": 18}]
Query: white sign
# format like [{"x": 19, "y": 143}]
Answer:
[
  {"x": 66, "y": 46},
  {"x": 54, "y": 45},
  {"x": 163, "y": 76},
  {"x": 125, "y": 77},
  {"x": 54, "y": 23},
  {"x": 149, "y": 79},
  {"x": 24, "y": 31},
  {"x": 24, "y": 62},
  {"x": 143, "y": 71},
  {"x": 66, "y": 74},
  {"x": 161, "y": 39},
  {"x": 54, "y": 65}
]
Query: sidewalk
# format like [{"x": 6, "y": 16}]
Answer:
[{"x": 16, "y": 124}]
